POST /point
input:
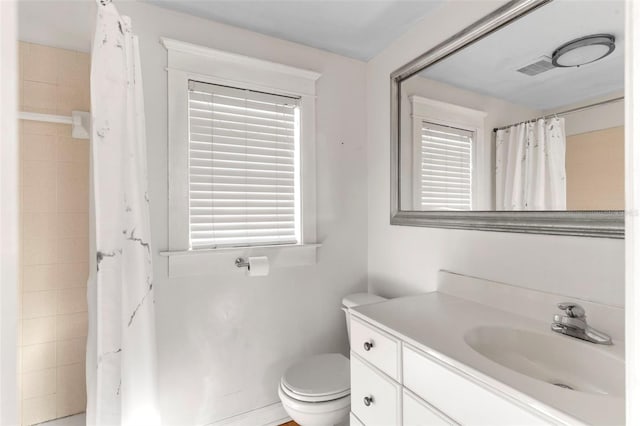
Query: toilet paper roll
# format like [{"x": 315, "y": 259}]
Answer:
[{"x": 258, "y": 266}]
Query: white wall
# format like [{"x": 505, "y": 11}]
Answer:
[
  {"x": 9, "y": 246},
  {"x": 592, "y": 119},
  {"x": 404, "y": 260},
  {"x": 225, "y": 340}
]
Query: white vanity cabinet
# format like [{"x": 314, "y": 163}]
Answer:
[
  {"x": 460, "y": 397},
  {"x": 375, "y": 397},
  {"x": 394, "y": 383},
  {"x": 376, "y": 347},
  {"x": 416, "y": 411}
]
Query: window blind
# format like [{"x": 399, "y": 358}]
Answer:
[
  {"x": 445, "y": 167},
  {"x": 243, "y": 167}
]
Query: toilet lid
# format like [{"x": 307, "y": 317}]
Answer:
[{"x": 318, "y": 378}]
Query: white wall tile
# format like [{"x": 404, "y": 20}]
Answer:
[
  {"x": 39, "y": 356},
  {"x": 72, "y": 274},
  {"x": 39, "y": 200},
  {"x": 72, "y": 300},
  {"x": 39, "y": 409},
  {"x": 72, "y": 225},
  {"x": 39, "y": 383},
  {"x": 71, "y": 351},
  {"x": 36, "y": 147},
  {"x": 71, "y": 390},
  {"x": 69, "y": 174},
  {"x": 39, "y": 304},
  {"x": 54, "y": 238},
  {"x": 73, "y": 250},
  {"x": 70, "y": 326},
  {"x": 72, "y": 150},
  {"x": 73, "y": 199},
  {"x": 39, "y": 277},
  {"x": 40, "y": 251},
  {"x": 39, "y": 225},
  {"x": 39, "y": 174},
  {"x": 39, "y": 97},
  {"x": 40, "y": 63},
  {"x": 38, "y": 330},
  {"x": 40, "y": 127}
]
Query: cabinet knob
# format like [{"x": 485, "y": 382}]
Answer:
[
  {"x": 368, "y": 345},
  {"x": 368, "y": 400}
]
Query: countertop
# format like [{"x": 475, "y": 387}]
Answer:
[{"x": 436, "y": 324}]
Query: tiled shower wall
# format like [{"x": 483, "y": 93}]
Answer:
[{"x": 54, "y": 235}]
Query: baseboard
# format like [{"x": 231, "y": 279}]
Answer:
[{"x": 270, "y": 415}]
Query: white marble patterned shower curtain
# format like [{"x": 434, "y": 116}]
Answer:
[
  {"x": 530, "y": 166},
  {"x": 121, "y": 346}
]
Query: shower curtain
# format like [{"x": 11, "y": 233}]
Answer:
[
  {"x": 121, "y": 346},
  {"x": 530, "y": 166}
]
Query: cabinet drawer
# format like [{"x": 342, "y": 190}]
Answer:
[
  {"x": 382, "y": 403},
  {"x": 460, "y": 398},
  {"x": 376, "y": 346},
  {"x": 353, "y": 420},
  {"x": 416, "y": 412}
]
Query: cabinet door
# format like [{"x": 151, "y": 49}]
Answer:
[
  {"x": 416, "y": 412},
  {"x": 353, "y": 420},
  {"x": 461, "y": 398},
  {"x": 376, "y": 346},
  {"x": 375, "y": 398}
]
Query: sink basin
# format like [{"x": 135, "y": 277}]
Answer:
[{"x": 555, "y": 359}]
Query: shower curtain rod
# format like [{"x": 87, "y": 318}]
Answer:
[{"x": 569, "y": 111}]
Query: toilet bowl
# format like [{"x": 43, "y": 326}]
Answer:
[{"x": 316, "y": 391}]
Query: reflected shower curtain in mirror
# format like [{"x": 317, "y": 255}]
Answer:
[
  {"x": 530, "y": 166},
  {"x": 121, "y": 346}
]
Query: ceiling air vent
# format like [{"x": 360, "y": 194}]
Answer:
[{"x": 542, "y": 64}]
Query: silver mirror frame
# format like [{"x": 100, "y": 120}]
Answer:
[{"x": 604, "y": 224}]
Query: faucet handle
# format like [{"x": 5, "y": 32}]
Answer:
[{"x": 573, "y": 310}]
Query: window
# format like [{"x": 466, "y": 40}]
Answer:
[
  {"x": 445, "y": 168},
  {"x": 241, "y": 161},
  {"x": 244, "y": 185}
]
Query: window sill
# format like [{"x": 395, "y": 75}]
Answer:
[{"x": 184, "y": 263}]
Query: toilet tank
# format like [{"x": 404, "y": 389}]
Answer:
[{"x": 358, "y": 299}]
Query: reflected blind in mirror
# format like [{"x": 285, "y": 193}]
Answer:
[
  {"x": 243, "y": 167},
  {"x": 445, "y": 168}
]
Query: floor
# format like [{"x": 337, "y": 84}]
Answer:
[
  {"x": 75, "y": 420},
  {"x": 79, "y": 420}
]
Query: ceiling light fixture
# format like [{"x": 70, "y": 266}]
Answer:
[{"x": 583, "y": 50}]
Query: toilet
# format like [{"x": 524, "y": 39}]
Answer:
[{"x": 316, "y": 391}]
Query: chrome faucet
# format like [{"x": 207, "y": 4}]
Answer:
[{"x": 574, "y": 324}]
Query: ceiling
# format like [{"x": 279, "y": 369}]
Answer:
[
  {"x": 358, "y": 29},
  {"x": 489, "y": 65}
]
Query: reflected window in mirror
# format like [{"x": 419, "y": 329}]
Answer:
[
  {"x": 443, "y": 167},
  {"x": 443, "y": 164}
]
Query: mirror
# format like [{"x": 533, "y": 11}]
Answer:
[{"x": 516, "y": 124}]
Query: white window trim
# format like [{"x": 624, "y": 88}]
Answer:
[
  {"x": 438, "y": 112},
  {"x": 186, "y": 61}
]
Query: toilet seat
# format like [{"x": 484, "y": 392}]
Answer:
[
  {"x": 316, "y": 413},
  {"x": 319, "y": 378}
]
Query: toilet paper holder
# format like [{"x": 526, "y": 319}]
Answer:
[{"x": 242, "y": 262}]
